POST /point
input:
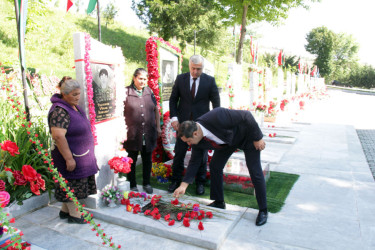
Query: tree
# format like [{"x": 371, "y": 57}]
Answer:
[
  {"x": 110, "y": 12},
  {"x": 181, "y": 18},
  {"x": 252, "y": 11},
  {"x": 335, "y": 53}
]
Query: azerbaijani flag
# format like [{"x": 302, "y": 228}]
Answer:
[{"x": 91, "y": 6}]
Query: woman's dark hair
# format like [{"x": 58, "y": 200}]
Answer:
[
  {"x": 138, "y": 72},
  {"x": 65, "y": 78},
  {"x": 187, "y": 128}
]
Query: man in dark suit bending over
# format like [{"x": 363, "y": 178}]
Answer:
[
  {"x": 190, "y": 98},
  {"x": 225, "y": 130}
]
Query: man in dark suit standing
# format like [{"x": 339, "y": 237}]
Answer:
[
  {"x": 225, "y": 130},
  {"x": 190, "y": 98}
]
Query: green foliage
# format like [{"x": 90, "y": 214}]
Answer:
[
  {"x": 360, "y": 76},
  {"x": 336, "y": 53},
  {"x": 14, "y": 128},
  {"x": 180, "y": 19},
  {"x": 109, "y": 13}
]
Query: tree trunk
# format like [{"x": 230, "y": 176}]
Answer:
[{"x": 243, "y": 33}]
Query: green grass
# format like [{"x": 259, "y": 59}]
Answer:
[{"x": 278, "y": 187}]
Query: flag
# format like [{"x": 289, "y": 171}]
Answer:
[
  {"x": 68, "y": 5},
  {"x": 251, "y": 48},
  {"x": 91, "y": 6},
  {"x": 280, "y": 58},
  {"x": 299, "y": 66},
  {"x": 22, "y": 16}
]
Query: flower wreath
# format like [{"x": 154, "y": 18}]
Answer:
[
  {"x": 168, "y": 136},
  {"x": 90, "y": 92},
  {"x": 154, "y": 79}
]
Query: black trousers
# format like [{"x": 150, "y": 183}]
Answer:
[
  {"x": 146, "y": 164},
  {"x": 180, "y": 150},
  {"x": 252, "y": 157}
]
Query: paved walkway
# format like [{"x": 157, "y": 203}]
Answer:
[
  {"x": 331, "y": 206},
  {"x": 367, "y": 138}
]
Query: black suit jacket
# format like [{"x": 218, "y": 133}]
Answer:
[
  {"x": 182, "y": 105},
  {"x": 237, "y": 128}
]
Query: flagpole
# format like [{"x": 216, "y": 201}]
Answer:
[
  {"x": 99, "y": 29},
  {"x": 23, "y": 73}
]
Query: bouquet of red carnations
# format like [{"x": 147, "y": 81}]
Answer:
[{"x": 120, "y": 164}]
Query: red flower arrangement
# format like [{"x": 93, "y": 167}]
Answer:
[
  {"x": 120, "y": 164},
  {"x": 189, "y": 212}
]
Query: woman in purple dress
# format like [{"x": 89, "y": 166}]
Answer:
[{"x": 72, "y": 148}]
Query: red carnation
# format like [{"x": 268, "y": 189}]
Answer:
[
  {"x": 2, "y": 185},
  {"x": 200, "y": 226},
  {"x": 19, "y": 179},
  {"x": 209, "y": 214},
  {"x": 171, "y": 223},
  {"x": 11, "y": 147},
  {"x": 29, "y": 173},
  {"x": 186, "y": 222}
]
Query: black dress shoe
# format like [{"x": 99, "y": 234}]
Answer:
[
  {"x": 261, "y": 218},
  {"x": 76, "y": 220},
  {"x": 218, "y": 204},
  {"x": 200, "y": 189},
  {"x": 148, "y": 189},
  {"x": 173, "y": 186},
  {"x": 63, "y": 215}
]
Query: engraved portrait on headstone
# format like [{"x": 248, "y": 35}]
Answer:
[
  {"x": 167, "y": 72},
  {"x": 104, "y": 91},
  {"x": 169, "y": 67}
]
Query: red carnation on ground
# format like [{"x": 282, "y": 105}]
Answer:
[
  {"x": 209, "y": 214},
  {"x": 200, "y": 226}
]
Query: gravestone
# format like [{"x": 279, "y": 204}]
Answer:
[
  {"x": 254, "y": 87},
  {"x": 293, "y": 87},
  {"x": 99, "y": 70},
  {"x": 267, "y": 85},
  {"x": 209, "y": 68},
  {"x": 168, "y": 63}
]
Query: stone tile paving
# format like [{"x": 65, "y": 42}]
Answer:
[{"x": 367, "y": 138}]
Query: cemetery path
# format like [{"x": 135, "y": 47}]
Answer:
[{"x": 331, "y": 206}]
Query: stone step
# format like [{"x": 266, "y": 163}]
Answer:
[{"x": 215, "y": 230}]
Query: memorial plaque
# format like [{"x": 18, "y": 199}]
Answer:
[
  {"x": 168, "y": 76},
  {"x": 104, "y": 91}
]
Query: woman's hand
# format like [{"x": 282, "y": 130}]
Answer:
[{"x": 70, "y": 165}]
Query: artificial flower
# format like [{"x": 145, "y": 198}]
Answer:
[
  {"x": 200, "y": 226},
  {"x": 29, "y": 173},
  {"x": 171, "y": 222},
  {"x": 4, "y": 198},
  {"x": 19, "y": 179},
  {"x": 209, "y": 214},
  {"x": 10, "y": 147},
  {"x": 2, "y": 185}
]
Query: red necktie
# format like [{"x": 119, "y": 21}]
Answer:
[
  {"x": 192, "y": 91},
  {"x": 213, "y": 143}
]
